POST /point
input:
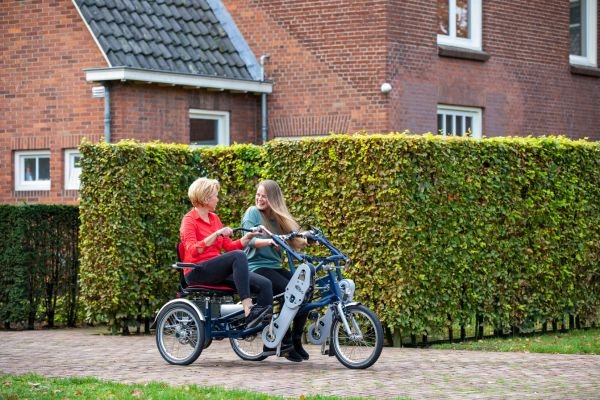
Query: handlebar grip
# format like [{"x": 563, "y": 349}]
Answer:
[{"x": 242, "y": 229}]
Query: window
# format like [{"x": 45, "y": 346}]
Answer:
[
  {"x": 582, "y": 32},
  {"x": 72, "y": 169},
  {"x": 459, "y": 121},
  {"x": 209, "y": 128},
  {"x": 459, "y": 23},
  {"x": 32, "y": 170}
]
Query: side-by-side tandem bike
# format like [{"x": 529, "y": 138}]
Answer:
[{"x": 342, "y": 326}]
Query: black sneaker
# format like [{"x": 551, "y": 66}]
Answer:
[
  {"x": 292, "y": 355},
  {"x": 258, "y": 314}
]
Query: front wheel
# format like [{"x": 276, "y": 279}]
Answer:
[
  {"x": 180, "y": 334},
  {"x": 362, "y": 347}
]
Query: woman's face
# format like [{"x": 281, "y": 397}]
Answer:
[
  {"x": 213, "y": 200},
  {"x": 261, "y": 199}
]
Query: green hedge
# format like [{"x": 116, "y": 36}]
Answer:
[
  {"x": 39, "y": 263},
  {"x": 440, "y": 229},
  {"x": 443, "y": 229},
  {"x": 133, "y": 197}
]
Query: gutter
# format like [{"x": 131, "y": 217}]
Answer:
[
  {"x": 124, "y": 74},
  {"x": 107, "y": 115},
  {"x": 263, "y": 100}
]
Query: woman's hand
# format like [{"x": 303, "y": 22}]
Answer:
[
  {"x": 210, "y": 239},
  {"x": 259, "y": 243},
  {"x": 248, "y": 236},
  {"x": 225, "y": 231}
]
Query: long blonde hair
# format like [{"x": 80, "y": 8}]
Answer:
[{"x": 285, "y": 221}]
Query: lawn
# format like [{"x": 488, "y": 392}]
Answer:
[{"x": 571, "y": 342}]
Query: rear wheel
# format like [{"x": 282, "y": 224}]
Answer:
[
  {"x": 179, "y": 334},
  {"x": 249, "y": 348},
  {"x": 362, "y": 347}
]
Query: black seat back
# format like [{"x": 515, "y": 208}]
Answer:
[{"x": 223, "y": 289}]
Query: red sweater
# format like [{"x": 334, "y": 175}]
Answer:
[{"x": 194, "y": 229}]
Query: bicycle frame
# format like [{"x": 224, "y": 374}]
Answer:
[{"x": 334, "y": 291}]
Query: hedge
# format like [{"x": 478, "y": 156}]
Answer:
[
  {"x": 39, "y": 264},
  {"x": 440, "y": 229}
]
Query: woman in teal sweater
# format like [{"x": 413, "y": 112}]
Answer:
[{"x": 265, "y": 258}]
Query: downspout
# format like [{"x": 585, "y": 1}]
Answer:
[
  {"x": 263, "y": 103},
  {"x": 107, "y": 116}
]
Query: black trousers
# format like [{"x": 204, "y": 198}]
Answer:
[{"x": 232, "y": 267}]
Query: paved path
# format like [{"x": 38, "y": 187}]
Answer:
[{"x": 412, "y": 373}]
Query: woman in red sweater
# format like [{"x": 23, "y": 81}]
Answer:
[{"x": 219, "y": 259}]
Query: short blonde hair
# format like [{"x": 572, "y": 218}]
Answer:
[{"x": 201, "y": 190}]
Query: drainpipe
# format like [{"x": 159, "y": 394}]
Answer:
[
  {"x": 107, "y": 116},
  {"x": 263, "y": 103}
]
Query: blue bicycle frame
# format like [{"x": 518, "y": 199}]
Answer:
[{"x": 327, "y": 285}]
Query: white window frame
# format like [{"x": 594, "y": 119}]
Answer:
[
  {"x": 589, "y": 30},
  {"x": 20, "y": 183},
  {"x": 459, "y": 111},
  {"x": 222, "y": 118},
  {"x": 475, "y": 27},
  {"x": 72, "y": 171}
]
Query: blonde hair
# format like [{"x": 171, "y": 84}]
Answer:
[
  {"x": 201, "y": 190},
  {"x": 285, "y": 221}
]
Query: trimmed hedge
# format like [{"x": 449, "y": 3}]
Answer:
[
  {"x": 443, "y": 229},
  {"x": 39, "y": 264},
  {"x": 440, "y": 229},
  {"x": 133, "y": 197}
]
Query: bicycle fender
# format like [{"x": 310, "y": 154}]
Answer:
[{"x": 186, "y": 301}]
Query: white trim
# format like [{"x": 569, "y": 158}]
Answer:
[
  {"x": 72, "y": 171},
  {"x": 591, "y": 36},
  {"x": 222, "y": 117},
  {"x": 473, "y": 112},
  {"x": 21, "y": 183},
  {"x": 236, "y": 37},
  {"x": 474, "y": 42},
  {"x": 176, "y": 79},
  {"x": 91, "y": 33}
]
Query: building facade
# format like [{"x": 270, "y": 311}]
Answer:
[
  {"x": 205, "y": 72},
  {"x": 503, "y": 69}
]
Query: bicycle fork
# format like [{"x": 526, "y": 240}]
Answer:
[{"x": 354, "y": 333}]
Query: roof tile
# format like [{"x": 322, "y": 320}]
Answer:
[{"x": 182, "y": 36}]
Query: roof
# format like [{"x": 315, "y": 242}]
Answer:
[{"x": 190, "y": 37}]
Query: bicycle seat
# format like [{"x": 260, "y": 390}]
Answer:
[{"x": 198, "y": 288}]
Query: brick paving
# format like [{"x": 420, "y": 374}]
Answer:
[{"x": 400, "y": 372}]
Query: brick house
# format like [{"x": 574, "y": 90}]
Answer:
[{"x": 210, "y": 71}]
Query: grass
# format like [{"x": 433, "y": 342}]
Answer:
[
  {"x": 572, "y": 342},
  {"x": 31, "y": 386}
]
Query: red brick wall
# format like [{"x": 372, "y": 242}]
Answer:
[
  {"x": 148, "y": 113},
  {"x": 45, "y": 101},
  {"x": 326, "y": 61},
  {"x": 329, "y": 58}
]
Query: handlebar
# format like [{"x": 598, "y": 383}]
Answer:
[
  {"x": 253, "y": 229},
  {"x": 312, "y": 235}
]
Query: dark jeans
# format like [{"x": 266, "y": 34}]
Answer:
[
  {"x": 232, "y": 267},
  {"x": 280, "y": 277}
]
